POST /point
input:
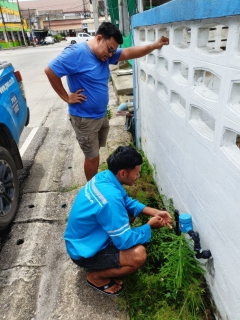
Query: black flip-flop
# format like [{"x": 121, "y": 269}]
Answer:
[{"x": 105, "y": 287}]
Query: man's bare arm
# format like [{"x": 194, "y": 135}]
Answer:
[
  {"x": 140, "y": 51},
  {"x": 57, "y": 85}
]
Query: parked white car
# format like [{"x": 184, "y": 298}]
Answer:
[
  {"x": 81, "y": 37},
  {"x": 49, "y": 40}
]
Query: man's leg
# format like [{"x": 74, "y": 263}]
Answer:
[
  {"x": 91, "y": 167},
  {"x": 130, "y": 260},
  {"x": 103, "y": 132},
  {"x": 91, "y": 135}
]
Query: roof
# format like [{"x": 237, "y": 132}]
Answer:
[
  {"x": 47, "y": 5},
  {"x": 9, "y": 5}
]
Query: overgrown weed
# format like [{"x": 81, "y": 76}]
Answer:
[
  {"x": 171, "y": 284},
  {"x": 109, "y": 112},
  {"x": 69, "y": 189}
]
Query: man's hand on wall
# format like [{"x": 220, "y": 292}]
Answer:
[{"x": 161, "y": 42}]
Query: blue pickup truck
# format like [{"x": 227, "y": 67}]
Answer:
[{"x": 14, "y": 115}]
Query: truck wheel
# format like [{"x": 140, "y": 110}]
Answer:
[
  {"x": 73, "y": 42},
  {"x": 9, "y": 188}
]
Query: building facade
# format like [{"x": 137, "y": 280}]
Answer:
[
  {"x": 13, "y": 30},
  {"x": 187, "y": 111},
  {"x": 59, "y": 16}
]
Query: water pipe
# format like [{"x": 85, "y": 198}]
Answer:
[
  {"x": 177, "y": 227},
  {"x": 184, "y": 224},
  {"x": 205, "y": 254}
]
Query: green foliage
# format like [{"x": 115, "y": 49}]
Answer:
[
  {"x": 179, "y": 261},
  {"x": 71, "y": 188},
  {"x": 146, "y": 169},
  {"x": 109, "y": 112},
  {"x": 144, "y": 188},
  {"x": 171, "y": 284},
  {"x": 103, "y": 166},
  {"x": 58, "y": 37},
  {"x": 140, "y": 142}
]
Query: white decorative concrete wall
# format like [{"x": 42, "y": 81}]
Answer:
[{"x": 187, "y": 107}]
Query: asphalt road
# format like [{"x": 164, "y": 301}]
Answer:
[
  {"x": 38, "y": 281},
  {"x": 31, "y": 62}
]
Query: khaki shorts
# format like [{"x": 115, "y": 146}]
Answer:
[{"x": 91, "y": 134}]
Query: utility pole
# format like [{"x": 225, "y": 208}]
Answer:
[
  {"x": 24, "y": 39},
  {"x": 140, "y": 6},
  {"x": 4, "y": 25},
  {"x": 95, "y": 15},
  {"x": 49, "y": 25},
  {"x": 106, "y": 10},
  {"x": 120, "y": 8},
  {"x": 84, "y": 9},
  {"x": 30, "y": 23},
  {"x": 125, "y": 19},
  {"x": 85, "y": 25}
]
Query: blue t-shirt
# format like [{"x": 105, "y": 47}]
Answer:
[
  {"x": 100, "y": 213},
  {"x": 85, "y": 71}
]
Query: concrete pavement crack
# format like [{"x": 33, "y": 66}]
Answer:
[
  {"x": 40, "y": 220},
  {"x": 25, "y": 266},
  {"x": 44, "y": 191},
  {"x": 51, "y": 191}
]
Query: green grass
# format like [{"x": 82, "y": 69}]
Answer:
[
  {"x": 103, "y": 166},
  {"x": 171, "y": 284},
  {"x": 109, "y": 113},
  {"x": 71, "y": 188}
]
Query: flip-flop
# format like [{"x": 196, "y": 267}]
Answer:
[{"x": 105, "y": 287}]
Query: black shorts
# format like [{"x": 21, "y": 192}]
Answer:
[{"x": 105, "y": 259}]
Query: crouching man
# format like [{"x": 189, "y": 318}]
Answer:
[{"x": 98, "y": 234}]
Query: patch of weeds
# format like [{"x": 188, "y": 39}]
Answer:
[
  {"x": 68, "y": 189},
  {"x": 144, "y": 188},
  {"x": 109, "y": 113},
  {"x": 103, "y": 166},
  {"x": 140, "y": 142},
  {"x": 171, "y": 284}
]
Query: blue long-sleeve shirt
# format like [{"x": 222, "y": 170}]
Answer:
[{"x": 100, "y": 214}]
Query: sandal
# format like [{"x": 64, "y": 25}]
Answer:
[{"x": 105, "y": 287}]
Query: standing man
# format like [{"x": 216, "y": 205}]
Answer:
[
  {"x": 86, "y": 66},
  {"x": 98, "y": 234}
]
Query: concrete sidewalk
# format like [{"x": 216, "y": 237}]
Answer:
[{"x": 38, "y": 280}]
